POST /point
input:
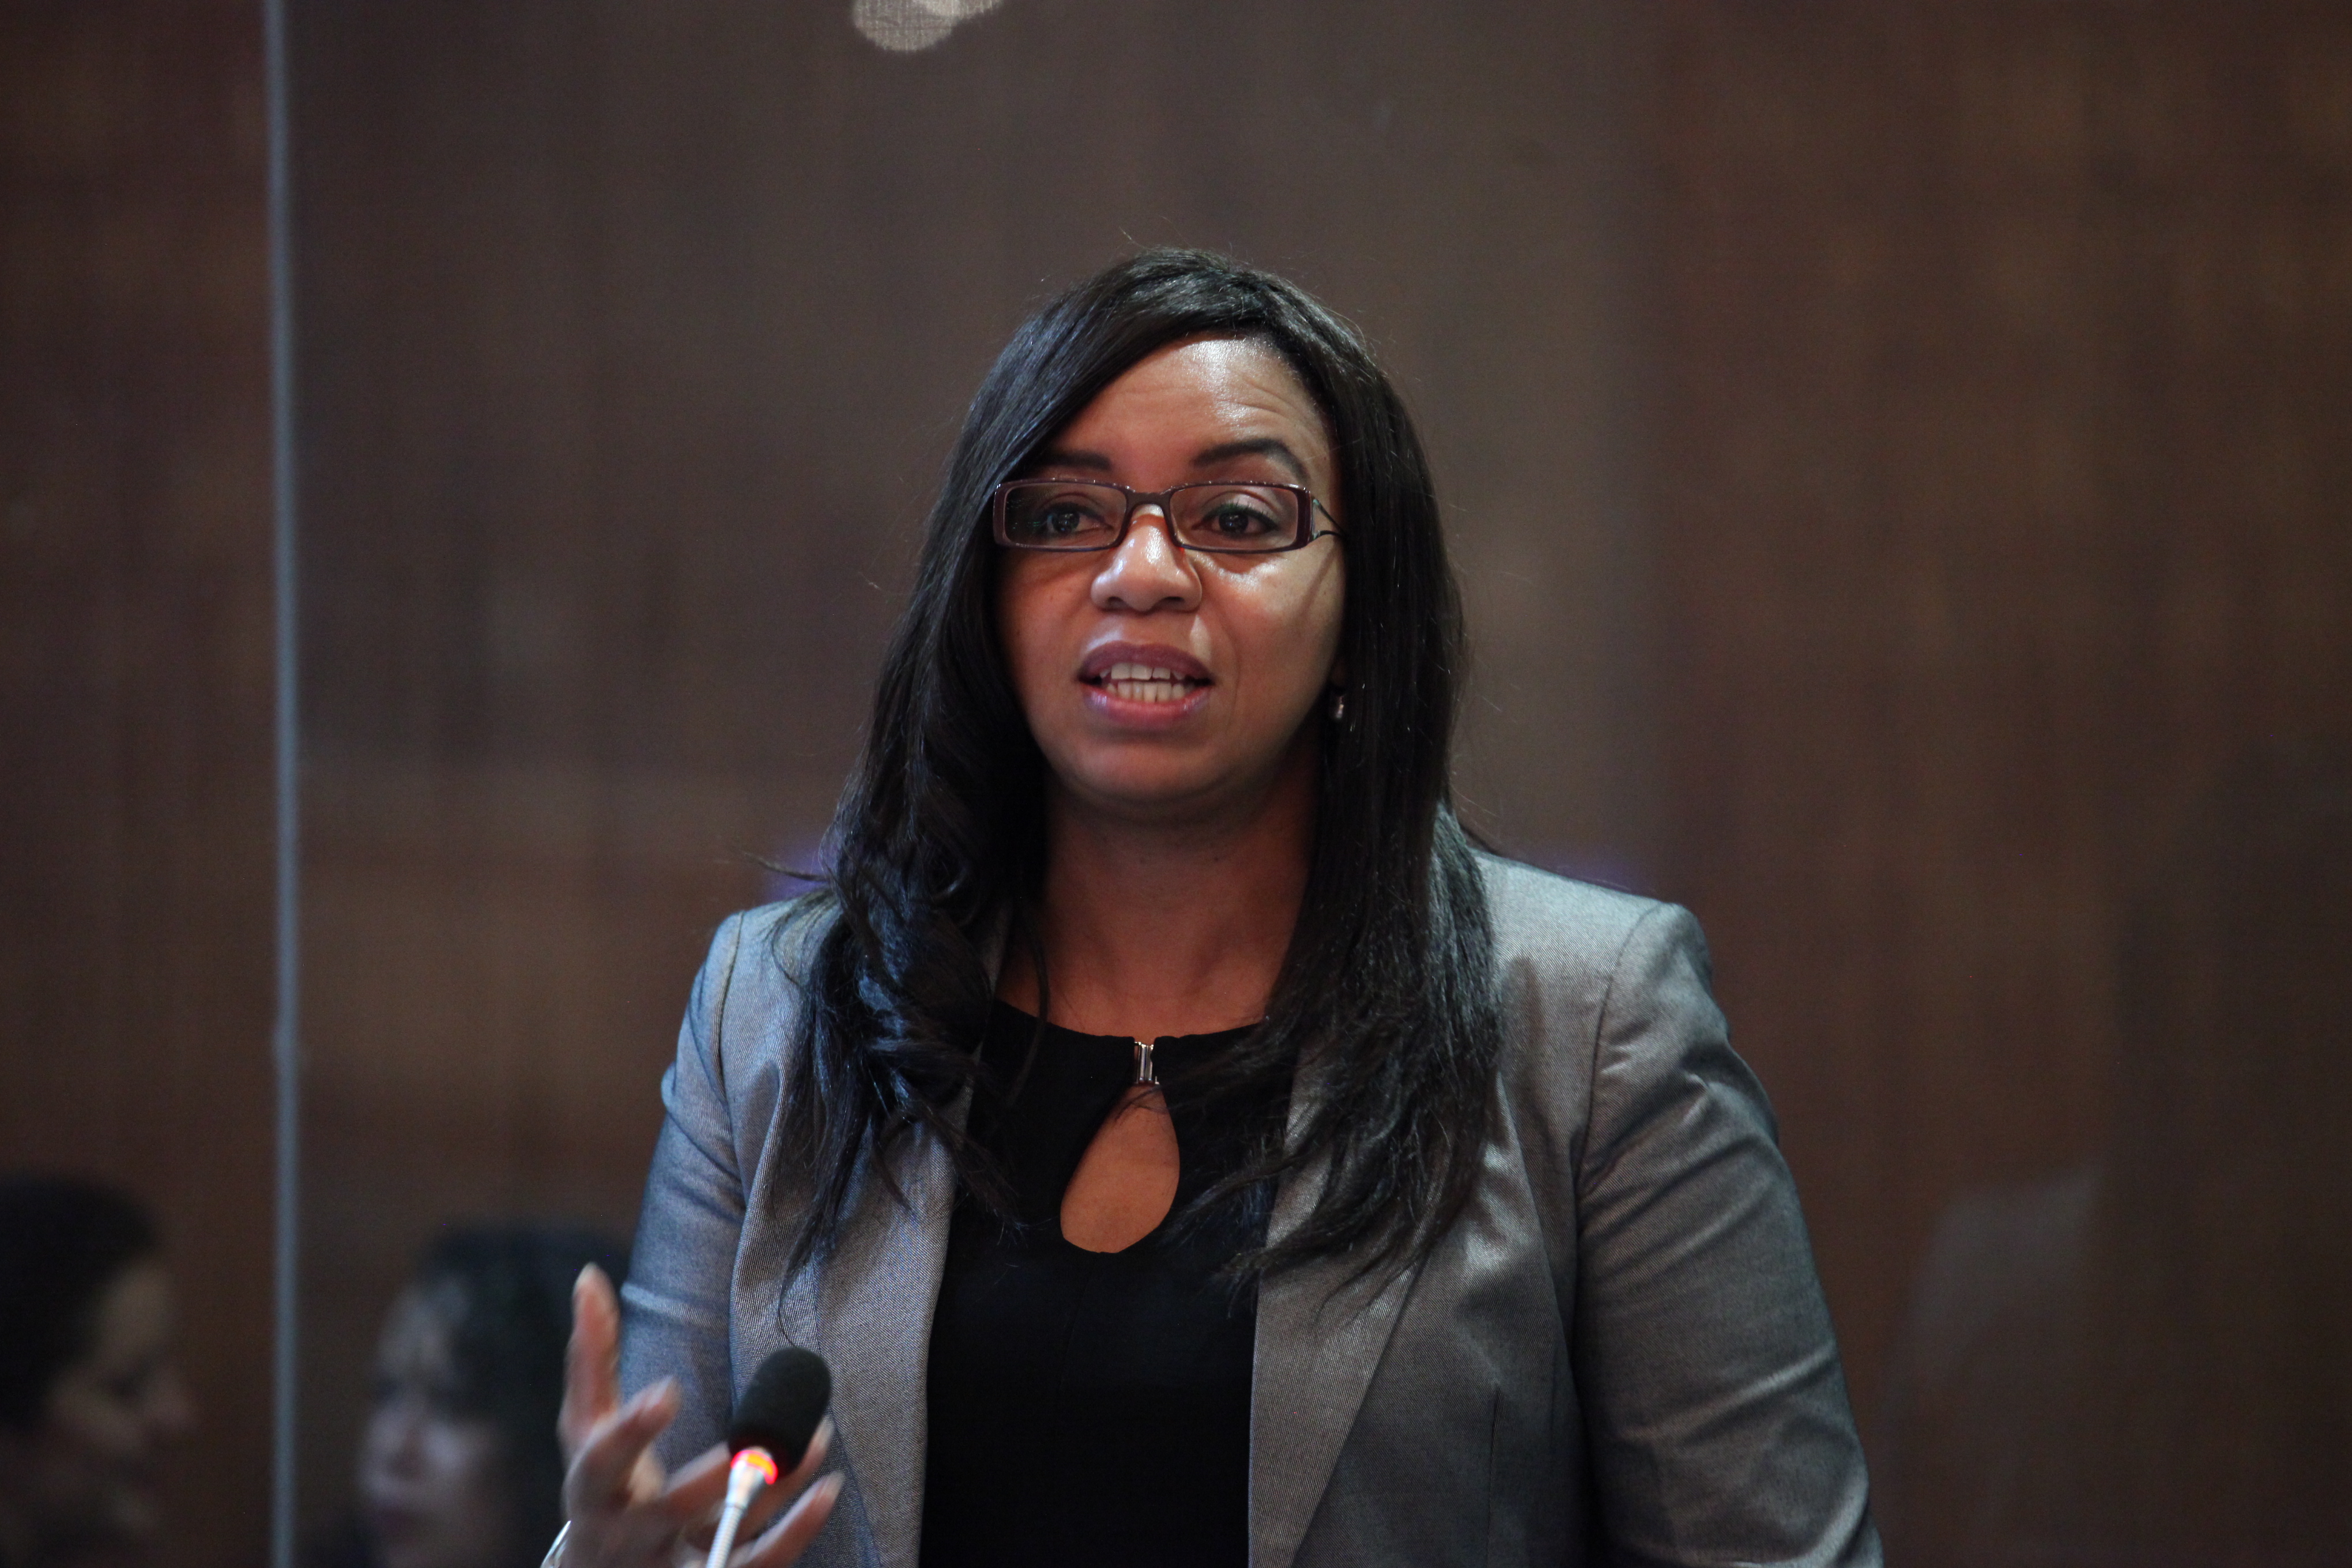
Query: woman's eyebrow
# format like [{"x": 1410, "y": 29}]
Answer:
[
  {"x": 1263, "y": 447},
  {"x": 1060, "y": 458}
]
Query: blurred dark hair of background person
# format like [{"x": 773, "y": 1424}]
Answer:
[
  {"x": 459, "y": 1466},
  {"x": 91, "y": 1393}
]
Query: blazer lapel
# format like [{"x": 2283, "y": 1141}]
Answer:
[
  {"x": 867, "y": 1310},
  {"x": 1320, "y": 1335}
]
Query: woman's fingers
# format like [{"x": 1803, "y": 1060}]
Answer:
[
  {"x": 792, "y": 1534},
  {"x": 615, "y": 1492},
  {"x": 592, "y": 1361},
  {"x": 612, "y": 1493},
  {"x": 773, "y": 1499},
  {"x": 614, "y": 1465},
  {"x": 812, "y": 1457},
  {"x": 691, "y": 1502}
]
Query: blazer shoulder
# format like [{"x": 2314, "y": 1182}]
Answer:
[
  {"x": 763, "y": 953},
  {"x": 740, "y": 1021},
  {"x": 1560, "y": 923},
  {"x": 784, "y": 931}
]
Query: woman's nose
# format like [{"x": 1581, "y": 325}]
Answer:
[
  {"x": 1147, "y": 572},
  {"x": 172, "y": 1414},
  {"x": 393, "y": 1442}
]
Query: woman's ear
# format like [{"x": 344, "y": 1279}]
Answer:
[{"x": 1335, "y": 690}]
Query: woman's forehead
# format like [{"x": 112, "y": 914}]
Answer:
[
  {"x": 417, "y": 1329},
  {"x": 1199, "y": 402},
  {"x": 135, "y": 1316}
]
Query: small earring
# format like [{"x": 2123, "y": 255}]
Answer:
[{"x": 1339, "y": 704}]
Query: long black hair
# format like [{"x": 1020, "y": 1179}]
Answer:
[{"x": 1385, "y": 994}]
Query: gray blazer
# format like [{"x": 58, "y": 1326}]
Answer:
[{"x": 1619, "y": 1353}]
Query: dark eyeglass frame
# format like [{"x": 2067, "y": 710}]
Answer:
[{"x": 1136, "y": 499}]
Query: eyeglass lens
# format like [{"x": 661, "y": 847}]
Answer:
[{"x": 1236, "y": 519}]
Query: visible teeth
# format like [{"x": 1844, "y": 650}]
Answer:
[
  {"x": 1146, "y": 682},
  {"x": 1148, "y": 690}
]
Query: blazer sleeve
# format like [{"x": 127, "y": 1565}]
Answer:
[
  {"x": 1717, "y": 1420},
  {"x": 675, "y": 1307}
]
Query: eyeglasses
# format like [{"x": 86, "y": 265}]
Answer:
[{"x": 1221, "y": 517}]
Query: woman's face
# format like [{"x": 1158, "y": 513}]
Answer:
[
  {"x": 434, "y": 1483},
  {"x": 87, "y": 1476},
  {"x": 1251, "y": 642}
]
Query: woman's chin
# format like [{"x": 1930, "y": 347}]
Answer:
[
  {"x": 1163, "y": 790},
  {"x": 134, "y": 1514}
]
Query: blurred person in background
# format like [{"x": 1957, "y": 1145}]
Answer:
[
  {"x": 459, "y": 1466},
  {"x": 90, "y": 1394}
]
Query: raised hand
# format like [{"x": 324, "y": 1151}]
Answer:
[{"x": 624, "y": 1513}]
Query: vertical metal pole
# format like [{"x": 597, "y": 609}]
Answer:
[{"x": 285, "y": 1044}]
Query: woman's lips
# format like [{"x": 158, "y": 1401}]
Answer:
[
  {"x": 394, "y": 1523},
  {"x": 1144, "y": 686}
]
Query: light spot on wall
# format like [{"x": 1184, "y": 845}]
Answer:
[{"x": 903, "y": 27}]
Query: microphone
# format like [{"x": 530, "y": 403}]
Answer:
[{"x": 775, "y": 1420}]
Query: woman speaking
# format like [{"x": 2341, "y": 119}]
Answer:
[{"x": 1184, "y": 1143}]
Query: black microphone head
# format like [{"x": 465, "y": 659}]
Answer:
[{"x": 781, "y": 1409}]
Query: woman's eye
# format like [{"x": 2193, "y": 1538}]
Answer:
[
  {"x": 1236, "y": 516},
  {"x": 135, "y": 1385},
  {"x": 1239, "y": 520},
  {"x": 1058, "y": 519}
]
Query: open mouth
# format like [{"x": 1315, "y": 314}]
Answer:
[{"x": 1135, "y": 682}]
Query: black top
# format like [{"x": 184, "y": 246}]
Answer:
[{"x": 1090, "y": 1407}]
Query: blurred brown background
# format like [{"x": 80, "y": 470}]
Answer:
[
  {"x": 136, "y": 963},
  {"x": 1897, "y": 455}
]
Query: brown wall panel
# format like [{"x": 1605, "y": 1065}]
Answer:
[
  {"x": 136, "y": 977},
  {"x": 2006, "y": 398},
  {"x": 499, "y": 959}
]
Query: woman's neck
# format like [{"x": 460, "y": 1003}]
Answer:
[{"x": 1157, "y": 927}]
